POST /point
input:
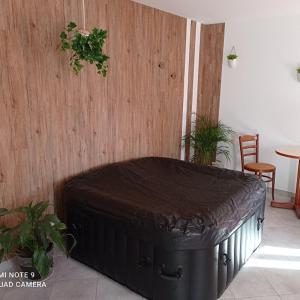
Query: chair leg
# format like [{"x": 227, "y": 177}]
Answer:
[{"x": 273, "y": 183}]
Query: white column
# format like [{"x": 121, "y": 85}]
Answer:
[
  {"x": 195, "y": 80},
  {"x": 185, "y": 84}
]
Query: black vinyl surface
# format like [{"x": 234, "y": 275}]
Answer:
[
  {"x": 162, "y": 264},
  {"x": 179, "y": 203}
]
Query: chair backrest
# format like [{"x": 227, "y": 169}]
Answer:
[{"x": 249, "y": 146}]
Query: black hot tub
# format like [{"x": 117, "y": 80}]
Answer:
[{"x": 167, "y": 229}]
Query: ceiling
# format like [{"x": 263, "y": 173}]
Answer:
[{"x": 211, "y": 11}]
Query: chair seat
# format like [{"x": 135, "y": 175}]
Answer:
[{"x": 260, "y": 167}]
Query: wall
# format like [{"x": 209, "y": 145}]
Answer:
[
  {"x": 55, "y": 124},
  {"x": 203, "y": 74},
  {"x": 262, "y": 94}
]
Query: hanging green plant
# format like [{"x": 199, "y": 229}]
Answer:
[
  {"x": 85, "y": 47},
  {"x": 232, "y": 56}
]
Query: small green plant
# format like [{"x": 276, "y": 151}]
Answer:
[
  {"x": 298, "y": 70},
  {"x": 34, "y": 236},
  {"x": 232, "y": 56},
  {"x": 85, "y": 47},
  {"x": 209, "y": 139}
]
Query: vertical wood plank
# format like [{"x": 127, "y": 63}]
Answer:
[{"x": 211, "y": 57}]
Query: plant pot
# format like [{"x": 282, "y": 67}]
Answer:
[
  {"x": 25, "y": 264},
  {"x": 84, "y": 32},
  {"x": 298, "y": 76},
  {"x": 232, "y": 63},
  {"x": 218, "y": 164}
]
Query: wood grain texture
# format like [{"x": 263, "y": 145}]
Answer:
[
  {"x": 54, "y": 124},
  {"x": 210, "y": 70}
]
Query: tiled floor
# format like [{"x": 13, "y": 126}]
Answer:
[{"x": 273, "y": 272}]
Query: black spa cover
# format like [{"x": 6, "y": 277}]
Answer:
[{"x": 182, "y": 203}]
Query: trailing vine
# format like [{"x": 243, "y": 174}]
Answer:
[{"x": 85, "y": 47}]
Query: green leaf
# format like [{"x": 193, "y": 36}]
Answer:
[
  {"x": 232, "y": 56},
  {"x": 57, "y": 239},
  {"x": 3, "y": 211},
  {"x": 24, "y": 209},
  {"x": 3, "y": 229},
  {"x": 1, "y": 254},
  {"x": 48, "y": 218},
  {"x": 63, "y": 35},
  {"x": 65, "y": 45},
  {"x": 52, "y": 228},
  {"x": 41, "y": 262},
  {"x": 39, "y": 209},
  {"x": 71, "y": 26},
  {"x": 25, "y": 233},
  {"x": 51, "y": 221},
  {"x": 8, "y": 243}
]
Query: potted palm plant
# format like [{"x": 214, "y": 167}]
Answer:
[
  {"x": 32, "y": 240},
  {"x": 208, "y": 140}
]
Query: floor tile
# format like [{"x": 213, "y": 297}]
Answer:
[
  {"x": 74, "y": 289},
  {"x": 30, "y": 293},
  {"x": 251, "y": 283},
  {"x": 2, "y": 292},
  {"x": 110, "y": 290},
  {"x": 283, "y": 236},
  {"x": 57, "y": 252},
  {"x": 290, "y": 297},
  {"x": 285, "y": 217},
  {"x": 227, "y": 294},
  {"x": 69, "y": 269},
  {"x": 284, "y": 281},
  {"x": 262, "y": 298}
]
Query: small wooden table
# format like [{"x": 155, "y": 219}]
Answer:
[{"x": 291, "y": 152}]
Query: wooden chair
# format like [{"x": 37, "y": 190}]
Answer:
[{"x": 249, "y": 146}]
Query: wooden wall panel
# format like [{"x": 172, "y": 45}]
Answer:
[
  {"x": 210, "y": 72},
  {"x": 54, "y": 124}
]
